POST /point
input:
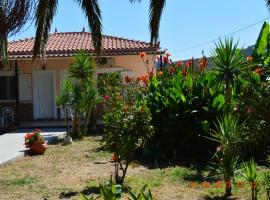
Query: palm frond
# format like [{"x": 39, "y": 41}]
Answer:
[
  {"x": 93, "y": 14},
  {"x": 45, "y": 12},
  {"x": 268, "y": 3},
  {"x": 155, "y": 12}
]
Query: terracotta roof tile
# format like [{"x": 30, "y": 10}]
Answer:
[{"x": 66, "y": 44}]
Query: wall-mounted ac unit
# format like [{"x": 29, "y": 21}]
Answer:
[{"x": 105, "y": 61}]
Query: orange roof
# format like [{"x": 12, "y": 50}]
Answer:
[{"x": 66, "y": 44}]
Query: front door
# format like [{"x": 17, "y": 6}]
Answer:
[{"x": 43, "y": 94}]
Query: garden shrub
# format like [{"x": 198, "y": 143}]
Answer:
[
  {"x": 183, "y": 103},
  {"x": 127, "y": 124}
]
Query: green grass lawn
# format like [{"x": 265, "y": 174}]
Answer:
[{"x": 66, "y": 171}]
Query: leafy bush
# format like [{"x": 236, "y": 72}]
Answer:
[
  {"x": 127, "y": 124},
  {"x": 183, "y": 103}
]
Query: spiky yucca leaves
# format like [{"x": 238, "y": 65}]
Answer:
[
  {"x": 82, "y": 69},
  {"x": 227, "y": 134},
  {"x": 46, "y": 10},
  {"x": 229, "y": 65},
  {"x": 250, "y": 174}
]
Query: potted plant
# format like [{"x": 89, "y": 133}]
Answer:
[{"x": 36, "y": 142}]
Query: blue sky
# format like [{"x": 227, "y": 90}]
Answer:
[{"x": 185, "y": 23}]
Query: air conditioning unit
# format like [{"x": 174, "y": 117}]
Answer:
[{"x": 105, "y": 61}]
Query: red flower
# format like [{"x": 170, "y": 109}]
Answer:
[
  {"x": 184, "y": 72},
  {"x": 179, "y": 63},
  {"x": 142, "y": 54},
  {"x": 144, "y": 79},
  {"x": 172, "y": 70},
  {"x": 259, "y": 71},
  {"x": 203, "y": 63},
  {"x": 128, "y": 79},
  {"x": 166, "y": 59},
  {"x": 190, "y": 63},
  {"x": 106, "y": 97}
]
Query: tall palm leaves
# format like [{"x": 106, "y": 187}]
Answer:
[
  {"x": 45, "y": 13},
  {"x": 14, "y": 14},
  {"x": 156, "y": 8},
  {"x": 267, "y": 3}
]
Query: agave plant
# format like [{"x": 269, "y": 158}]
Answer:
[{"x": 250, "y": 174}]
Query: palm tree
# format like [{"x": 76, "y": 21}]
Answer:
[
  {"x": 13, "y": 16},
  {"x": 46, "y": 10}
]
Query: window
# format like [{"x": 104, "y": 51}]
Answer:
[{"x": 7, "y": 88}]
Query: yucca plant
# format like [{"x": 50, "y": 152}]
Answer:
[
  {"x": 226, "y": 133},
  {"x": 250, "y": 174},
  {"x": 229, "y": 65}
]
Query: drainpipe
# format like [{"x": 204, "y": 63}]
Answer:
[{"x": 16, "y": 92}]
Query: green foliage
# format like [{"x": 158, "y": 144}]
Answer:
[
  {"x": 142, "y": 195},
  {"x": 228, "y": 135},
  {"x": 250, "y": 174},
  {"x": 84, "y": 197},
  {"x": 229, "y": 66},
  {"x": 79, "y": 92},
  {"x": 261, "y": 53},
  {"x": 82, "y": 68},
  {"x": 250, "y": 171},
  {"x": 266, "y": 184},
  {"x": 181, "y": 105},
  {"x": 111, "y": 191},
  {"x": 127, "y": 123}
]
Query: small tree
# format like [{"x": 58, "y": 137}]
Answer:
[
  {"x": 250, "y": 174},
  {"x": 80, "y": 93},
  {"x": 229, "y": 66},
  {"x": 227, "y": 134},
  {"x": 127, "y": 125}
]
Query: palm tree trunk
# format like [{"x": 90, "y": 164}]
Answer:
[
  {"x": 228, "y": 188},
  {"x": 87, "y": 120},
  {"x": 76, "y": 129}
]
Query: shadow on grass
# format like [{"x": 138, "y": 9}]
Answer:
[
  {"x": 207, "y": 197},
  {"x": 87, "y": 191}
]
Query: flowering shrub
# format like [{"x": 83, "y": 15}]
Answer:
[
  {"x": 127, "y": 123},
  {"x": 182, "y": 102},
  {"x": 35, "y": 136}
]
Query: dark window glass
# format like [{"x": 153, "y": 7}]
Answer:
[{"x": 7, "y": 88}]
